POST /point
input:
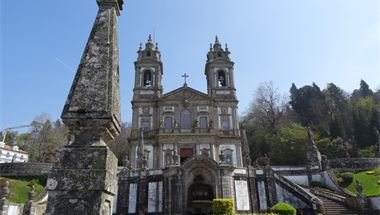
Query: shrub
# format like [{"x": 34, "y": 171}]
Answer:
[
  {"x": 345, "y": 178},
  {"x": 223, "y": 206},
  {"x": 316, "y": 184},
  {"x": 283, "y": 208}
]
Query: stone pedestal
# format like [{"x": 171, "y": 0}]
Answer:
[{"x": 82, "y": 181}]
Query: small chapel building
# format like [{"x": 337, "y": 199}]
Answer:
[{"x": 186, "y": 145}]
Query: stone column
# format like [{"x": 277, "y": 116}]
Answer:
[
  {"x": 270, "y": 186},
  {"x": 4, "y": 193},
  {"x": 83, "y": 179},
  {"x": 252, "y": 189}
]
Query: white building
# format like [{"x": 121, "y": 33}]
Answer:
[{"x": 12, "y": 154}]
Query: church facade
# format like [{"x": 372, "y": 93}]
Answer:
[
  {"x": 188, "y": 148},
  {"x": 186, "y": 145}
]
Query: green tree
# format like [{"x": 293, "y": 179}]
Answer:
[
  {"x": 120, "y": 145},
  {"x": 44, "y": 138},
  {"x": 266, "y": 114},
  {"x": 10, "y": 137},
  {"x": 365, "y": 121},
  {"x": 339, "y": 113},
  {"x": 290, "y": 146},
  {"x": 309, "y": 103},
  {"x": 363, "y": 91}
]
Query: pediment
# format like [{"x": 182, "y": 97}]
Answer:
[{"x": 185, "y": 92}]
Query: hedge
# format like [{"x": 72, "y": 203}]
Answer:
[
  {"x": 345, "y": 178},
  {"x": 283, "y": 208},
  {"x": 223, "y": 206}
]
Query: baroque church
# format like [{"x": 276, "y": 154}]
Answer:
[{"x": 186, "y": 144}]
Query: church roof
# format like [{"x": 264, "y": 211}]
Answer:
[{"x": 185, "y": 91}]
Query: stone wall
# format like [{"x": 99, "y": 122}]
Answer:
[
  {"x": 352, "y": 164},
  {"x": 24, "y": 169}
]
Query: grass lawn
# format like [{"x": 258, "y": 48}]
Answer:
[
  {"x": 370, "y": 182},
  {"x": 19, "y": 189}
]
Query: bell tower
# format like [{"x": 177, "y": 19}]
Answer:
[
  {"x": 148, "y": 72},
  {"x": 219, "y": 72}
]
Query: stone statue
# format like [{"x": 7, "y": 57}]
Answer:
[
  {"x": 211, "y": 124},
  {"x": 141, "y": 146},
  {"x": 378, "y": 141},
  {"x": 221, "y": 158},
  {"x": 205, "y": 152},
  {"x": 4, "y": 189},
  {"x": 168, "y": 157},
  {"x": 358, "y": 188},
  {"x": 175, "y": 157},
  {"x": 126, "y": 161}
]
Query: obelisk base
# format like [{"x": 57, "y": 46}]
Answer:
[{"x": 82, "y": 181}]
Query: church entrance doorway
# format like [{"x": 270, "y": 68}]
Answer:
[{"x": 200, "y": 196}]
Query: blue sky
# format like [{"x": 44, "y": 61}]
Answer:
[{"x": 283, "y": 41}]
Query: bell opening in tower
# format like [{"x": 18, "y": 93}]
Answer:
[{"x": 221, "y": 78}]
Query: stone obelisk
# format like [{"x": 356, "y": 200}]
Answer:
[{"x": 83, "y": 178}]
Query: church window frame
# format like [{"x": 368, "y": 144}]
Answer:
[
  {"x": 185, "y": 119},
  {"x": 203, "y": 121},
  {"x": 145, "y": 123},
  {"x": 225, "y": 123},
  {"x": 147, "y": 78},
  {"x": 221, "y": 78},
  {"x": 228, "y": 156},
  {"x": 168, "y": 122}
]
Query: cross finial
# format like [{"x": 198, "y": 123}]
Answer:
[{"x": 185, "y": 76}]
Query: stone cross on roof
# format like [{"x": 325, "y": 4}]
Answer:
[{"x": 185, "y": 76}]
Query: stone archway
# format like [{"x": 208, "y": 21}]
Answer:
[
  {"x": 199, "y": 196},
  {"x": 200, "y": 182}
]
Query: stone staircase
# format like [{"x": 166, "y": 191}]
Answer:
[{"x": 333, "y": 207}]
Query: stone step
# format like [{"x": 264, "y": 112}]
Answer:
[{"x": 336, "y": 208}]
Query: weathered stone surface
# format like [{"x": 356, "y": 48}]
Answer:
[
  {"x": 93, "y": 102},
  {"x": 83, "y": 179},
  {"x": 24, "y": 169}
]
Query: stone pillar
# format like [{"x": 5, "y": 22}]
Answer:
[
  {"x": 270, "y": 186},
  {"x": 4, "y": 193},
  {"x": 142, "y": 193},
  {"x": 252, "y": 189},
  {"x": 83, "y": 179},
  {"x": 28, "y": 205}
]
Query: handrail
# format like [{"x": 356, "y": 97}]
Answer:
[{"x": 313, "y": 200}]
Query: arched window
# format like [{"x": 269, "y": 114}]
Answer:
[
  {"x": 185, "y": 119},
  {"x": 147, "y": 78},
  {"x": 221, "y": 78}
]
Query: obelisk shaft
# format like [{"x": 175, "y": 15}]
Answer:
[{"x": 83, "y": 180}]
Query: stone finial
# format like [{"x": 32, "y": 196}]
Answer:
[
  {"x": 31, "y": 193},
  {"x": 216, "y": 39}
]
